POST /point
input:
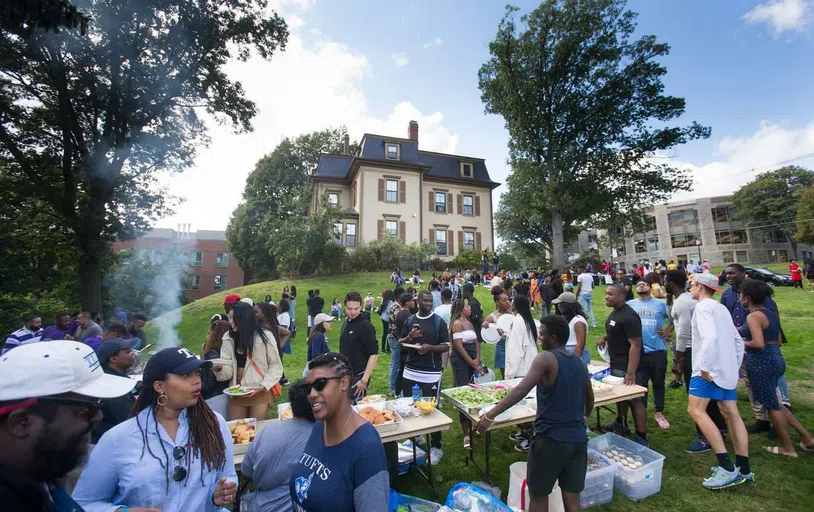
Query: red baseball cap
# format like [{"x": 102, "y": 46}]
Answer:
[{"x": 231, "y": 298}]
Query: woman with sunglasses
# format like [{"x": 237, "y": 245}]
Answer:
[
  {"x": 254, "y": 363},
  {"x": 173, "y": 454},
  {"x": 343, "y": 466}
]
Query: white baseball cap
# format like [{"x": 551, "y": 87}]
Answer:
[
  {"x": 322, "y": 317},
  {"x": 51, "y": 368}
]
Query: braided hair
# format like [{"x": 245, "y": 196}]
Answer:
[
  {"x": 333, "y": 361},
  {"x": 205, "y": 438}
]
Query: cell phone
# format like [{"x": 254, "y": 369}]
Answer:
[{"x": 417, "y": 326}]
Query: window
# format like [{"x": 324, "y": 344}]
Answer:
[
  {"x": 392, "y": 152},
  {"x": 741, "y": 256},
  {"x": 350, "y": 235},
  {"x": 649, "y": 223},
  {"x": 684, "y": 239},
  {"x": 466, "y": 170},
  {"x": 653, "y": 243},
  {"x": 721, "y": 214},
  {"x": 220, "y": 283},
  {"x": 157, "y": 256},
  {"x": 733, "y": 236},
  {"x": 193, "y": 281},
  {"x": 337, "y": 234},
  {"x": 782, "y": 255},
  {"x": 222, "y": 259},
  {"x": 774, "y": 237},
  {"x": 197, "y": 259},
  {"x": 618, "y": 249},
  {"x": 683, "y": 218},
  {"x": 441, "y": 241},
  {"x": 641, "y": 246},
  {"x": 440, "y": 202},
  {"x": 333, "y": 199},
  {"x": 392, "y": 227},
  {"x": 469, "y": 240},
  {"x": 727, "y": 256},
  {"x": 469, "y": 205},
  {"x": 392, "y": 195}
]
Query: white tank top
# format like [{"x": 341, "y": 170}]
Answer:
[{"x": 572, "y": 334}]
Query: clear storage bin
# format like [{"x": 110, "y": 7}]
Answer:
[
  {"x": 598, "y": 483},
  {"x": 635, "y": 483}
]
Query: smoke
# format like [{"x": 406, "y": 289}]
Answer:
[{"x": 166, "y": 289}]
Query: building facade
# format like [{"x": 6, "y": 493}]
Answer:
[
  {"x": 390, "y": 186},
  {"x": 209, "y": 266},
  {"x": 706, "y": 228}
]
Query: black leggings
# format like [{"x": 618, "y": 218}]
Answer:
[{"x": 712, "y": 407}]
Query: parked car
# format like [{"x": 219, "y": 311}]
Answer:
[{"x": 764, "y": 274}]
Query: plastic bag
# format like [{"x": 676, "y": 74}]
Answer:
[
  {"x": 489, "y": 376},
  {"x": 468, "y": 498},
  {"x": 603, "y": 353}
]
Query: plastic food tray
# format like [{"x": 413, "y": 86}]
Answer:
[
  {"x": 384, "y": 427},
  {"x": 636, "y": 484},
  {"x": 598, "y": 483},
  {"x": 282, "y": 408},
  {"x": 488, "y": 400},
  {"x": 243, "y": 447}
]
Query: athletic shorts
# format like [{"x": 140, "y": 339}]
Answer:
[
  {"x": 550, "y": 461},
  {"x": 703, "y": 389}
]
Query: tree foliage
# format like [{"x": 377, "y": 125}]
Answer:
[
  {"x": 805, "y": 217},
  {"x": 771, "y": 201},
  {"x": 87, "y": 123},
  {"x": 387, "y": 253},
  {"x": 276, "y": 192},
  {"x": 25, "y": 16},
  {"x": 586, "y": 112}
]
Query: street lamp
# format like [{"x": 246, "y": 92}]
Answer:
[{"x": 698, "y": 245}]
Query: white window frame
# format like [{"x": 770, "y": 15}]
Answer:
[
  {"x": 470, "y": 206},
  {"x": 194, "y": 281},
  {"x": 394, "y": 230},
  {"x": 387, "y": 147},
  {"x": 331, "y": 197},
  {"x": 194, "y": 260},
  {"x": 337, "y": 233},
  {"x": 443, "y": 234},
  {"x": 220, "y": 283},
  {"x": 469, "y": 244},
  {"x": 444, "y": 202},
  {"x": 350, "y": 231},
  {"x": 222, "y": 260},
  {"x": 387, "y": 190},
  {"x": 467, "y": 169}
]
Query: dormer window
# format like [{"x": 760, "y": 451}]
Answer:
[
  {"x": 466, "y": 170},
  {"x": 391, "y": 151}
]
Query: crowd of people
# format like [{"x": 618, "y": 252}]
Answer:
[{"x": 163, "y": 444}]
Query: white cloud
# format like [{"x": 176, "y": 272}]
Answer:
[
  {"x": 740, "y": 159},
  {"x": 399, "y": 59},
  {"x": 781, "y": 15},
  {"x": 434, "y": 43},
  {"x": 314, "y": 84}
]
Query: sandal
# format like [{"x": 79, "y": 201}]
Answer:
[
  {"x": 809, "y": 449},
  {"x": 775, "y": 450},
  {"x": 467, "y": 443}
]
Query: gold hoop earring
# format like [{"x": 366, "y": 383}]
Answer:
[{"x": 160, "y": 404}]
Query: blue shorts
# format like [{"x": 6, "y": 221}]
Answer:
[{"x": 703, "y": 389}]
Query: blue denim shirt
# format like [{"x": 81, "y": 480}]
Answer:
[{"x": 122, "y": 472}]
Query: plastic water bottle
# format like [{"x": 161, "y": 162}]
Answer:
[{"x": 416, "y": 392}]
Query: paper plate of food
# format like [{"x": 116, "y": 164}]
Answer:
[
  {"x": 242, "y": 430},
  {"x": 237, "y": 390}
]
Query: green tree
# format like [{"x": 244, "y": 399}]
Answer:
[
  {"x": 25, "y": 16},
  {"x": 467, "y": 258},
  {"x": 584, "y": 105},
  {"x": 805, "y": 217},
  {"x": 87, "y": 123},
  {"x": 274, "y": 194},
  {"x": 302, "y": 243},
  {"x": 771, "y": 201}
]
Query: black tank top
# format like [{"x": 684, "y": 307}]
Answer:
[{"x": 561, "y": 407}]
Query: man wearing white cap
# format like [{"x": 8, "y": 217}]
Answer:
[
  {"x": 716, "y": 360},
  {"x": 50, "y": 400}
]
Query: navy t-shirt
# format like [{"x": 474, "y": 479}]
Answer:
[{"x": 348, "y": 477}]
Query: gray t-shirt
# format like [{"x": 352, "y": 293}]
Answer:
[
  {"x": 92, "y": 329},
  {"x": 270, "y": 458},
  {"x": 681, "y": 312}
]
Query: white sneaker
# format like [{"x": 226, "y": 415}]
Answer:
[{"x": 435, "y": 456}]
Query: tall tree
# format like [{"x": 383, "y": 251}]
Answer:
[
  {"x": 276, "y": 191},
  {"x": 25, "y": 16},
  {"x": 585, "y": 110},
  {"x": 771, "y": 201},
  {"x": 88, "y": 122},
  {"x": 805, "y": 217}
]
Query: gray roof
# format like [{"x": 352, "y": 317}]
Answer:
[{"x": 440, "y": 165}]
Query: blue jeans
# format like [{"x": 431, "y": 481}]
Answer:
[
  {"x": 585, "y": 302},
  {"x": 586, "y": 355},
  {"x": 784, "y": 388},
  {"x": 395, "y": 363}
]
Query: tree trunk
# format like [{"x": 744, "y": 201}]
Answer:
[
  {"x": 557, "y": 254},
  {"x": 90, "y": 282}
]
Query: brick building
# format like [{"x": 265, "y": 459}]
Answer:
[{"x": 210, "y": 267}]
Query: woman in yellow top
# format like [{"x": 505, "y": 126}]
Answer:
[
  {"x": 672, "y": 265},
  {"x": 252, "y": 360},
  {"x": 656, "y": 291}
]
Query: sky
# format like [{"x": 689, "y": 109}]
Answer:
[{"x": 745, "y": 68}]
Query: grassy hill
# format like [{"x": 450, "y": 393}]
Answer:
[{"x": 783, "y": 484}]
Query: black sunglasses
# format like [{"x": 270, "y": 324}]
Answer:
[
  {"x": 319, "y": 384},
  {"x": 88, "y": 408},
  {"x": 180, "y": 472}
]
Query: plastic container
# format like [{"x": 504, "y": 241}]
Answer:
[
  {"x": 401, "y": 502},
  {"x": 518, "y": 496},
  {"x": 416, "y": 392},
  {"x": 598, "y": 483},
  {"x": 598, "y": 372},
  {"x": 636, "y": 484}
]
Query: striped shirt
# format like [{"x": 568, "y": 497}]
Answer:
[{"x": 20, "y": 337}]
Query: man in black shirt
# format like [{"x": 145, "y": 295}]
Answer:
[
  {"x": 476, "y": 317},
  {"x": 424, "y": 368},
  {"x": 624, "y": 341},
  {"x": 116, "y": 356},
  {"x": 625, "y": 281},
  {"x": 522, "y": 287},
  {"x": 357, "y": 342}
]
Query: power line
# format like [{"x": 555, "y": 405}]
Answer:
[
  {"x": 762, "y": 226},
  {"x": 753, "y": 169}
]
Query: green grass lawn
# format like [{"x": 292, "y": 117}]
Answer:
[{"x": 783, "y": 484}]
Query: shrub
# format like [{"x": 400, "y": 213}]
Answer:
[{"x": 467, "y": 258}]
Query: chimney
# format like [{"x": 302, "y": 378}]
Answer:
[
  {"x": 178, "y": 231},
  {"x": 412, "y": 131},
  {"x": 346, "y": 145}
]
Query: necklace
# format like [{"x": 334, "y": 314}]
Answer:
[{"x": 325, "y": 432}]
